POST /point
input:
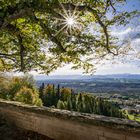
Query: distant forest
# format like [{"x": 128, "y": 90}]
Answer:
[{"x": 65, "y": 98}]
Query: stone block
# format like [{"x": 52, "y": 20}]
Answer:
[
  {"x": 115, "y": 135},
  {"x": 132, "y": 138},
  {"x": 102, "y": 138}
]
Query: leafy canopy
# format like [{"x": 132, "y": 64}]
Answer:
[{"x": 35, "y": 34}]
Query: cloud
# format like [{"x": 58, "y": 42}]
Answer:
[
  {"x": 132, "y": 32},
  {"x": 118, "y": 69},
  {"x": 121, "y": 32}
]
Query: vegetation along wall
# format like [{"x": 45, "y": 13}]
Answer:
[{"x": 66, "y": 125}]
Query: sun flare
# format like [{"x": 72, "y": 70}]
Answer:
[{"x": 70, "y": 21}]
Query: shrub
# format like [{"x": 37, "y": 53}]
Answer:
[
  {"x": 60, "y": 105},
  {"x": 4, "y": 87},
  {"x": 28, "y": 96},
  {"x": 20, "y": 89},
  {"x": 15, "y": 85}
]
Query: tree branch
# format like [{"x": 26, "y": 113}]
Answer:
[
  {"x": 22, "y": 49},
  {"x": 7, "y": 56},
  {"x": 70, "y": 6},
  {"x": 16, "y": 15},
  {"x": 49, "y": 34}
]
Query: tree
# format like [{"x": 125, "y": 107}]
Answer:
[
  {"x": 58, "y": 91},
  {"x": 21, "y": 89},
  {"x": 65, "y": 93},
  {"x": 28, "y": 96},
  {"x": 79, "y": 103},
  {"x": 60, "y": 105},
  {"x": 47, "y": 95},
  {"x": 87, "y": 102},
  {"x": 9, "y": 86},
  {"x": 69, "y": 104},
  {"x": 41, "y": 90},
  {"x": 39, "y": 35}
]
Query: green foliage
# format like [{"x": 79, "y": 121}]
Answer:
[
  {"x": 49, "y": 96},
  {"x": 20, "y": 89},
  {"x": 69, "y": 104},
  {"x": 11, "y": 85},
  {"x": 4, "y": 87},
  {"x": 41, "y": 90},
  {"x": 16, "y": 84},
  {"x": 28, "y": 96},
  {"x": 60, "y": 105},
  {"x": 65, "y": 93},
  {"x": 81, "y": 102},
  {"x": 31, "y": 35},
  {"x": 131, "y": 116}
]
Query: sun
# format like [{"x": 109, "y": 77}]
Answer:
[{"x": 70, "y": 21}]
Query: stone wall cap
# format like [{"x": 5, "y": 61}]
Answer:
[{"x": 91, "y": 119}]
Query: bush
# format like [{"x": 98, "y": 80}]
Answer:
[
  {"x": 60, "y": 105},
  {"x": 15, "y": 85},
  {"x": 28, "y": 96},
  {"x": 20, "y": 89},
  {"x": 4, "y": 87},
  {"x": 9, "y": 86}
]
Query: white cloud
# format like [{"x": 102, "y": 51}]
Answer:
[
  {"x": 118, "y": 69},
  {"x": 121, "y": 32},
  {"x": 66, "y": 70}
]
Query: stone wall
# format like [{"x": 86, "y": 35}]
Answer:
[{"x": 66, "y": 125}]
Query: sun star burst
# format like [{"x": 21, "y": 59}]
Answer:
[{"x": 69, "y": 21}]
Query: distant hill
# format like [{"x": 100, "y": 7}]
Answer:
[{"x": 74, "y": 77}]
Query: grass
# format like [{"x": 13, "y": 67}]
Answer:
[{"x": 132, "y": 116}]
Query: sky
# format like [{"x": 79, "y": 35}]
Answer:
[{"x": 131, "y": 31}]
